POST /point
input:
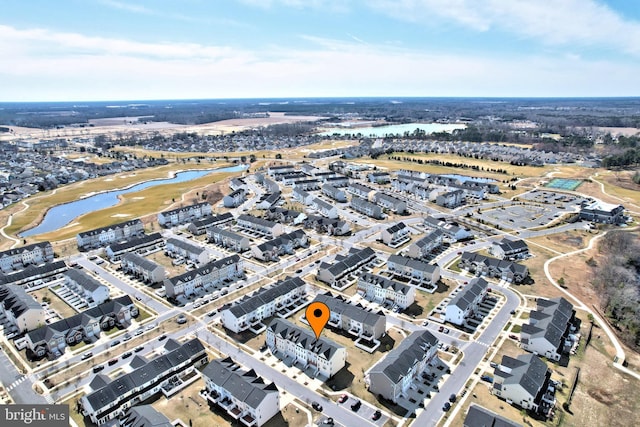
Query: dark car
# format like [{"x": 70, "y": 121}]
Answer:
[
  {"x": 139, "y": 348},
  {"x": 446, "y": 406},
  {"x": 343, "y": 398},
  {"x": 356, "y": 406},
  {"x": 487, "y": 378},
  {"x": 316, "y": 406},
  {"x": 127, "y": 354},
  {"x": 162, "y": 337},
  {"x": 112, "y": 362},
  {"x": 452, "y": 398},
  {"x": 115, "y": 343},
  {"x": 376, "y": 415},
  {"x": 441, "y": 328},
  {"x": 98, "y": 368}
]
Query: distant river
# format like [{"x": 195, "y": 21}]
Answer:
[
  {"x": 61, "y": 215},
  {"x": 381, "y": 131}
]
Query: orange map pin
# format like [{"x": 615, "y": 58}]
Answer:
[{"x": 317, "y": 315}]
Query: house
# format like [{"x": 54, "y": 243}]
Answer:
[
  {"x": 235, "y": 199},
  {"x": 103, "y": 236},
  {"x": 19, "y": 311},
  {"x": 388, "y": 202},
  {"x": 259, "y": 226},
  {"x": 422, "y": 248},
  {"x": 345, "y": 265},
  {"x": 335, "y": 193},
  {"x": 271, "y": 186},
  {"x": 142, "y": 268},
  {"x": 142, "y": 244},
  {"x": 273, "y": 170},
  {"x": 241, "y": 393},
  {"x": 451, "y": 199},
  {"x": 227, "y": 239},
  {"x": 237, "y": 184},
  {"x": 526, "y": 382},
  {"x": 307, "y": 184},
  {"x": 18, "y": 258},
  {"x": 509, "y": 249},
  {"x": 184, "y": 215},
  {"x": 109, "y": 398},
  {"x": 353, "y": 319},
  {"x": 488, "y": 266},
  {"x": 360, "y": 190},
  {"x": 465, "y": 303},
  {"x": 451, "y": 231},
  {"x": 52, "y": 339},
  {"x": 302, "y": 196},
  {"x": 321, "y": 358},
  {"x": 552, "y": 329},
  {"x": 385, "y": 291},
  {"x": 178, "y": 248},
  {"x": 379, "y": 178},
  {"x": 422, "y": 272},
  {"x": 251, "y": 310},
  {"x": 199, "y": 227},
  {"x": 602, "y": 212},
  {"x": 213, "y": 273},
  {"x": 30, "y": 274},
  {"x": 479, "y": 416},
  {"x": 393, "y": 376},
  {"x": 144, "y": 416},
  {"x": 284, "y": 216},
  {"x": 338, "y": 181},
  {"x": 268, "y": 200},
  {"x": 396, "y": 235},
  {"x": 332, "y": 227},
  {"x": 365, "y": 207},
  {"x": 85, "y": 287},
  {"x": 324, "y": 208},
  {"x": 285, "y": 244}
]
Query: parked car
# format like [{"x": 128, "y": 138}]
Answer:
[
  {"x": 446, "y": 406},
  {"x": 441, "y": 328},
  {"x": 513, "y": 337},
  {"x": 162, "y": 337},
  {"x": 115, "y": 343},
  {"x": 493, "y": 364},
  {"x": 127, "y": 354},
  {"x": 98, "y": 368},
  {"x": 356, "y": 406},
  {"x": 446, "y": 330},
  {"x": 87, "y": 355},
  {"x": 112, "y": 362},
  {"x": 376, "y": 415},
  {"x": 181, "y": 319},
  {"x": 452, "y": 398},
  {"x": 316, "y": 406},
  {"x": 343, "y": 398},
  {"x": 139, "y": 348},
  {"x": 127, "y": 337},
  {"x": 487, "y": 378}
]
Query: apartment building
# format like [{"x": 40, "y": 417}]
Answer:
[
  {"x": 103, "y": 236},
  {"x": 211, "y": 274},
  {"x": 19, "y": 311},
  {"x": 422, "y": 272},
  {"x": 365, "y": 207},
  {"x": 199, "y": 227},
  {"x": 178, "y": 248},
  {"x": 184, "y": 215},
  {"x": 504, "y": 270},
  {"x": 385, "y": 291},
  {"x": 335, "y": 193},
  {"x": 452, "y": 232},
  {"x": 509, "y": 249},
  {"x": 139, "y": 245},
  {"x": 142, "y": 268},
  {"x": 552, "y": 330},
  {"x": 32, "y": 273},
  {"x": 324, "y": 208},
  {"x": 286, "y": 244},
  {"x": 396, "y": 235},
  {"x": 353, "y": 319},
  {"x": 234, "y": 199},
  {"x": 85, "y": 287},
  {"x": 227, "y": 239},
  {"x": 391, "y": 203},
  {"x": 345, "y": 265},
  {"x": 259, "y": 226},
  {"x": 465, "y": 303},
  {"x": 19, "y": 258},
  {"x": 423, "y": 247}
]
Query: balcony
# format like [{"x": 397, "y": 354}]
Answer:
[
  {"x": 213, "y": 396},
  {"x": 248, "y": 420}
]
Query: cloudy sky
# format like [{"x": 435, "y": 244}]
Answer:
[{"x": 73, "y": 50}]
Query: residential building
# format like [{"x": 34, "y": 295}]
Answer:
[
  {"x": 103, "y": 236},
  {"x": 396, "y": 235},
  {"x": 53, "y": 338},
  {"x": 267, "y": 201},
  {"x": 109, "y": 398},
  {"x": 178, "y": 248},
  {"x": 251, "y": 310},
  {"x": 307, "y": 184},
  {"x": 465, "y": 303},
  {"x": 360, "y": 190},
  {"x": 273, "y": 170},
  {"x": 85, "y": 287},
  {"x": 19, "y": 311},
  {"x": 242, "y": 394},
  {"x": 353, "y": 319},
  {"x": 379, "y": 178},
  {"x": 302, "y": 196},
  {"x": 143, "y": 244},
  {"x": 259, "y": 226},
  {"x": 509, "y": 249},
  {"x": 388, "y": 202},
  {"x": 526, "y": 382},
  {"x": 422, "y": 272},
  {"x": 199, "y": 226},
  {"x": 428, "y": 243},
  {"x": 451, "y": 199},
  {"x": 184, "y": 215},
  {"x": 332, "y": 227},
  {"x": 602, "y": 212},
  {"x": 142, "y": 268},
  {"x": 234, "y": 199},
  {"x": 237, "y": 184},
  {"x": 211, "y": 274},
  {"x": 451, "y": 231},
  {"x": 285, "y": 244},
  {"x": 479, "y": 416},
  {"x": 321, "y": 358},
  {"x": 345, "y": 265},
  {"x": 488, "y": 266},
  {"x": 393, "y": 376},
  {"x": 19, "y": 258},
  {"x": 284, "y": 216},
  {"x": 144, "y": 416},
  {"x": 338, "y": 181},
  {"x": 227, "y": 239},
  {"x": 335, "y": 193},
  {"x": 385, "y": 291},
  {"x": 31, "y": 274},
  {"x": 365, "y": 207},
  {"x": 552, "y": 329},
  {"x": 324, "y": 208}
]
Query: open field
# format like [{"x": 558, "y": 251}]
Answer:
[
  {"x": 63, "y": 309},
  {"x": 541, "y": 287}
]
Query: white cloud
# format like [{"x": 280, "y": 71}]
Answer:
[
  {"x": 559, "y": 22},
  {"x": 129, "y": 7},
  {"x": 331, "y": 5},
  {"x": 47, "y": 65}
]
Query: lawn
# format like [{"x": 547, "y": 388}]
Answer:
[{"x": 63, "y": 309}]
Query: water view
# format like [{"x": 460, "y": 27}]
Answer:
[
  {"x": 61, "y": 215},
  {"x": 381, "y": 131}
]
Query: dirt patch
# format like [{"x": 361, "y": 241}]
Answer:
[
  {"x": 602, "y": 396},
  {"x": 623, "y": 180}
]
